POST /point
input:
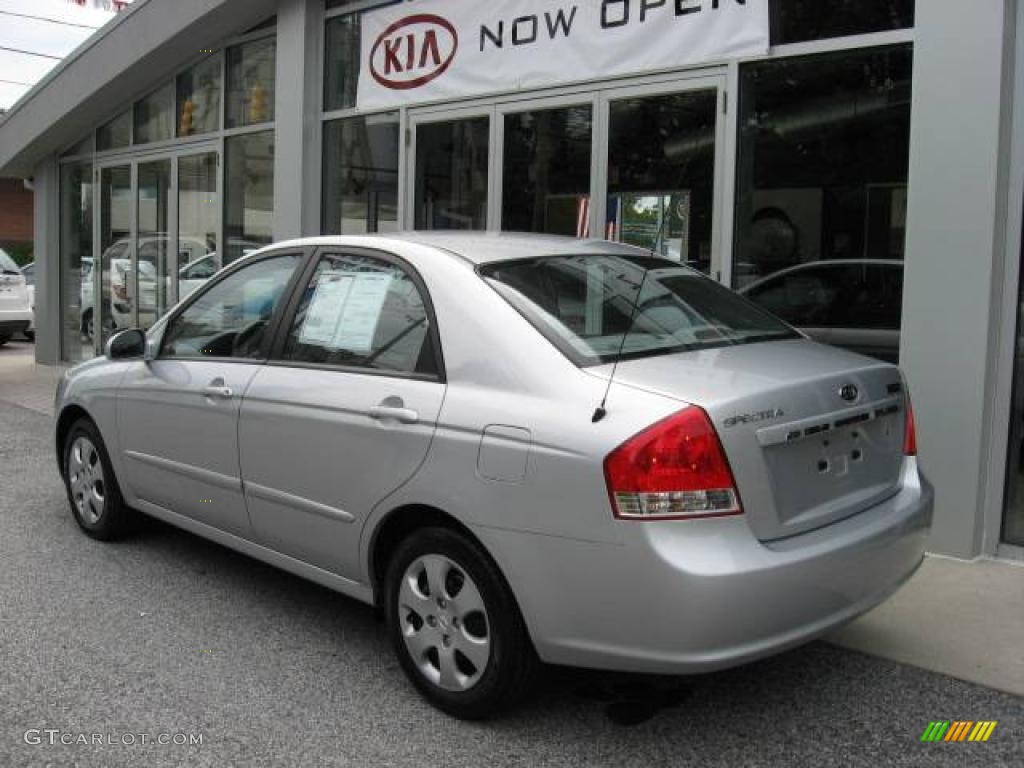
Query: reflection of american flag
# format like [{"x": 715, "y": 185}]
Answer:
[{"x": 583, "y": 217}]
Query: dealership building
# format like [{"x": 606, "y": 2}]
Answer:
[{"x": 870, "y": 151}]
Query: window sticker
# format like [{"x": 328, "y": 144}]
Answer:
[
  {"x": 345, "y": 310},
  {"x": 362, "y": 312},
  {"x": 325, "y": 309}
]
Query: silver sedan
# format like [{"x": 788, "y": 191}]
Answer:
[{"x": 522, "y": 449}]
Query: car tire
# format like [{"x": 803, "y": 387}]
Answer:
[
  {"x": 30, "y": 335},
  {"x": 91, "y": 485},
  {"x": 4, "y": 338},
  {"x": 467, "y": 652}
]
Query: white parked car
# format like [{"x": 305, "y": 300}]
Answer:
[
  {"x": 15, "y": 302},
  {"x": 29, "y": 272}
]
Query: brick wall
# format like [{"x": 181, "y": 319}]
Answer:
[{"x": 15, "y": 212}]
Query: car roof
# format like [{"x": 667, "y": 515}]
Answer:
[{"x": 477, "y": 247}]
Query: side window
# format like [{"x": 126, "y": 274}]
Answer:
[
  {"x": 876, "y": 301},
  {"x": 232, "y": 318},
  {"x": 800, "y": 298},
  {"x": 362, "y": 312},
  {"x": 203, "y": 269}
]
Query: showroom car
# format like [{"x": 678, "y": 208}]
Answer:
[
  {"x": 521, "y": 449},
  {"x": 15, "y": 300},
  {"x": 851, "y": 303}
]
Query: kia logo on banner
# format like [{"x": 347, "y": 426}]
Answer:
[
  {"x": 511, "y": 45},
  {"x": 413, "y": 51}
]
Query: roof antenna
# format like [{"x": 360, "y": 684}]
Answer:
[{"x": 600, "y": 412}]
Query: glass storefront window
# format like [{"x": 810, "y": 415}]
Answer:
[
  {"x": 822, "y": 170},
  {"x": 76, "y": 259},
  {"x": 198, "y": 208},
  {"x": 661, "y": 174},
  {"x": 451, "y": 174},
  {"x": 249, "y": 194},
  {"x": 151, "y": 289},
  {"x": 1013, "y": 515},
  {"x": 154, "y": 116},
  {"x": 361, "y": 174},
  {"x": 115, "y": 134},
  {"x": 198, "y": 104},
  {"x": 251, "y": 83},
  {"x": 546, "y": 176},
  {"x": 114, "y": 270},
  {"x": 341, "y": 72},
  {"x": 84, "y": 147},
  {"x": 795, "y": 21}
]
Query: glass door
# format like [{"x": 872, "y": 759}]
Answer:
[
  {"x": 547, "y": 165},
  {"x": 198, "y": 255},
  {"x": 451, "y": 175},
  {"x": 150, "y": 290},
  {"x": 111, "y": 308},
  {"x": 158, "y": 226},
  {"x": 663, "y": 170}
]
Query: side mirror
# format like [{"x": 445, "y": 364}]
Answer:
[{"x": 127, "y": 345}]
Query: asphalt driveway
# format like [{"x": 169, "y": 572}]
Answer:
[{"x": 168, "y": 634}]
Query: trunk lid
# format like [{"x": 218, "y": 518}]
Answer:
[{"x": 813, "y": 433}]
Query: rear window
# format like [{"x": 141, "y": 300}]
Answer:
[
  {"x": 7, "y": 265},
  {"x": 583, "y": 305}
]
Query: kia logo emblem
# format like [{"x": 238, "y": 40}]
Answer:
[
  {"x": 849, "y": 392},
  {"x": 413, "y": 51}
]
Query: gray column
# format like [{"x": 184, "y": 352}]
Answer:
[
  {"x": 297, "y": 146},
  {"x": 955, "y": 251},
  {"x": 46, "y": 184}
]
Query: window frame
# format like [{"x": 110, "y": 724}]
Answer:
[
  {"x": 273, "y": 327},
  {"x": 287, "y": 320}
]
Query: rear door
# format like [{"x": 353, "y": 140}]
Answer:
[
  {"x": 178, "y": 415},
  {"x": 345, "y": 412}
]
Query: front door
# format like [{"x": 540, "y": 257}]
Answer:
[
  {"x": 178, "y": 415},
  {"x": 345, "y": 412}
]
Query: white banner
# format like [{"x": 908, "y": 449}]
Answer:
[{"x": 442, "y": 49}]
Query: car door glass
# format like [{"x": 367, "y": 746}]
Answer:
[
  {"x": 800, "y": 298},
  {"x": 877, "y": 301},
  {"x": 362, "y": 312},
  {"x": 232, "y": 318}
]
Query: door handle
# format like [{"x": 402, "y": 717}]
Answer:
[
  {"x": 223, "y": 393},
  {"x": 402, "y": 415}
]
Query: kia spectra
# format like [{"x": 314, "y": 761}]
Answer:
[{"x": 521, "y": 449}]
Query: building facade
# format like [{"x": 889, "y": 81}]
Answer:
[{"x": 856, "y": 166}]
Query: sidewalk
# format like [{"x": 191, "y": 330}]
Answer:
[
  {"x": 959, "y": 618},
  {"x": 24, "y": 383}
]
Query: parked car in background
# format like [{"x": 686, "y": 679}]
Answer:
[
  {"x": 29, "y": 272},
  {"x": 851, "y": 303},
  {"x": 15, "y": 302},
  {"x": 429, "y": 422}
]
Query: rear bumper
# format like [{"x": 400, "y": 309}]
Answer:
[
  {"x": 696, "y": 596},
  {"x": 14, "y": 320}
]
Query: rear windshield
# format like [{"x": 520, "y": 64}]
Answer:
[
  {"x": 583, "y": 305},
  {"x": 7, "y": 265}
]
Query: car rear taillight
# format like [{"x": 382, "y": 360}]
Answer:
[
  {"x": 909, "y": 430},
  {"x": 675, "y": 469}
]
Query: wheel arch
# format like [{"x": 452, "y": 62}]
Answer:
[
  {"x": 395, "y": 526},
  {"x": 68, "y": 416}
]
